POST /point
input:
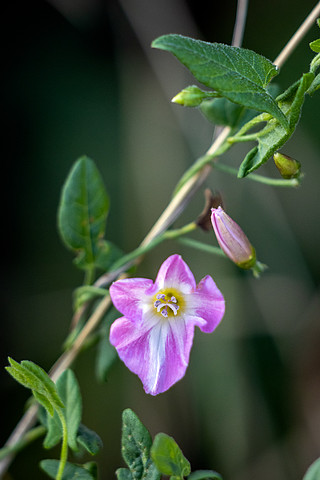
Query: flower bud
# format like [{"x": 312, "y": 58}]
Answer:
[
  {"x": 232, "y": 239},
  {"x": 287, "y": 166},
  {"x": 192, "y": 96}
]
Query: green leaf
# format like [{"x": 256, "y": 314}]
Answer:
[
  {"x": 204, "y": 475},
  {"x": 68, "y": 388},
  {"x": 124, "y": 474},
  {"x": 70, "y": 472},
  {"x": 315, "y": 85},
  {"x": 315, "y": 45},
  {"x": 106, "y": 353},
  {"x": 107, "y": 254},
  {"x": 89, "y": 439},
  {"x": 168, "y": 457},
  {"x": 313, "y": 472},
  {"x": 54, "y": 431},
  {"x": 235, "y": 73},
  {"x": 69, "y": 391},
  {"x": 34, "y": 377},
  {"x": 136, "y": 443},
  {"x": 273, "y": 135},
  {"x": 221, "y": 111},
  {"x": 83, "y": 211},
  {"x": 92, "y": 468}
]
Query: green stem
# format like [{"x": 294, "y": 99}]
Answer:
[
  {"x": 190, "y": 242},
  {"x": 64, "y": 448},
  {"x": 89, "y": 276},
  {"x": 167, "y": 235},
  {"x": 28, "y": 438},
  {"x": 276, "y": 182}
]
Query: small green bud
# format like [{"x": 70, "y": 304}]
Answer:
[
  {"x": 287, "y": 166},
  {"x": 192, "y": 96}
]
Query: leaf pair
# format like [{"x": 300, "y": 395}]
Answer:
[
  {"x": 62, "y": 405},
  {"x": 147, "y": 460},
  {"x": 238, "y": 74}
]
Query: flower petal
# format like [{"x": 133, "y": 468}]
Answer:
[
  {"x": 158, "y": 351},
  {"x": 130, "y": 298},
  {"x": 175, "y": 273},
  {"x": 207, "y": 304}
]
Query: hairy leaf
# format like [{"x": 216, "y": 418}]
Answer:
[
  {"x": 168, "y": 457},
  {"x": 71, "y": 471},
  {"x": 69, "y": 391},
  {"x": 315, "y": 85},
  {"x": 89, "y": 439},
  {"x": 235, "y": 73},
  {"x": 136, "y": 444},
  {"x": 34, "y": 377},
  {"x": 83, "y": 210},
  {"x": 124, "y": 474}
]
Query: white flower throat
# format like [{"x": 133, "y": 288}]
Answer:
[{"x": 165, "y": 302}]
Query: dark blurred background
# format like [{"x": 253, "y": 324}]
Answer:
[{"x": 79, "y": 77}]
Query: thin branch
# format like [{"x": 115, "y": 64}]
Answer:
[
  {"x": 239, "y": 27},
  {"x": 297, "y": 37}
]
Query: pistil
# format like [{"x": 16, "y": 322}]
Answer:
[{"x": 162, "y": 305}]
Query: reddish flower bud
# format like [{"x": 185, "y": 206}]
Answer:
[{"x": 232, "y": 239}]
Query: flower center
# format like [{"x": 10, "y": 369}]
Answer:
[{"x": 166, "y": 304}]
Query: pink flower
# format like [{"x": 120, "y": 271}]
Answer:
[
  {"x": 155, "y": 335},
  {"x": 232, "y": 240}
]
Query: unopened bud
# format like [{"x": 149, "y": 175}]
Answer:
[
  {"x": 192, "y": 96},
  {"x": 232, "y": 240},
  {"x": 287, "y": 166}
]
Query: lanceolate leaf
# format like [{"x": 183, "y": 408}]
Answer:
[
  {"x": 315, "y": 85},
  {"x": 124, "y": 474},
  {"x": 34, "y": 377},
  {"x": 273, "y": 135},
  {"x": 235, "y": 73},
  {"x": 69, "y": 391},
  {"x": 83, "y": 210},
  {"x": 71, "y": 471},
  {"x": 89, "y": 439},
  {"x": 168, "y": 457},
  {"x": 136, "y": 444}
]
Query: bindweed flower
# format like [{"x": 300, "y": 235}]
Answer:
[
  {"x": 155, "y": 335},
  {"x": 232, "y": 239}
]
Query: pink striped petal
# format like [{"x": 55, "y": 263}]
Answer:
[
  {"x": 175, "y": 273},
  {"x": 130, "y": 298},
  {"x": 206, "y": 305},
  {"x": 157, "y": 351}
]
